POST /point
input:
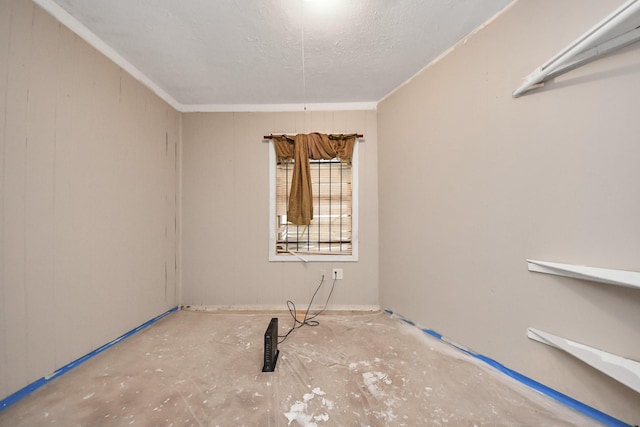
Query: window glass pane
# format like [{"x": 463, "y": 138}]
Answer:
[{"x": 330, "y": 229}]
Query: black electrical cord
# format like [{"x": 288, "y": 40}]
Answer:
[{"x": 307, "y": 320}]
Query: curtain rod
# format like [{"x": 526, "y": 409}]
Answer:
[{"x": 358, "y": 135}]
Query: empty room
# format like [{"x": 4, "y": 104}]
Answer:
[{"x": 320, "y": 213}]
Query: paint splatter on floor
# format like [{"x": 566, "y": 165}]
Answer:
[{"x": 197, "y": 369}]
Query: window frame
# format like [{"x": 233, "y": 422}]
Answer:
[{"x": 273, "y": 229}]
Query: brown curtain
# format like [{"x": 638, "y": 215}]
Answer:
[{"x": 301, "y": 148}]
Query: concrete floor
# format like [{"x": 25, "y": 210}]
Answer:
[{"x": 204, "y": 369}]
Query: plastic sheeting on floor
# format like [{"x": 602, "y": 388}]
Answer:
[{"x": 204, "y": 369}]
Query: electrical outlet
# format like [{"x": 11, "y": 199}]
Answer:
[
  {"x": 323, "y": 275},
  {"x": 336, "y": 273}
]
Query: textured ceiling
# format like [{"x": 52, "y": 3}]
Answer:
[{"x": 258, "y": 52}]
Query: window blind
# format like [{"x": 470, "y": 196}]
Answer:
[{"x": 330, "y": 230}]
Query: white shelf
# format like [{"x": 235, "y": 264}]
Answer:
[
  {"x": 629, "y": 279},
  {"x": 617, "y": 30},
  {"x": 626, "y": 371}
]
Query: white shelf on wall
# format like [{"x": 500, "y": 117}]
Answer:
[
  {"x": 619, "y": 29},
  {"x": 626, "y": 371},
  {"x": 629, "y": 279}
]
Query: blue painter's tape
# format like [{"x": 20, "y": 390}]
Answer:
[
  {"x": 426, "y": 331},
  {"x": 432, "y": 333},
  {"x": 404, "y": 319},
  {"x": 560, "y": 397},
  {"x": 13, "y": 398}
]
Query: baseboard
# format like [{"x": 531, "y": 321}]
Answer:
[{"x": 269, "y": 308}]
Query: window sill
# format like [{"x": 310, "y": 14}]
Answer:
[{"x": 312, "y": 258}]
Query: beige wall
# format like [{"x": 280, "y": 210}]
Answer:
[
  {"x": 225, "y": 211},
  {"x": 473, "y": 182},
  {"x": 88, "y": 198}
]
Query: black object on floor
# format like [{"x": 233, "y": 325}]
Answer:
[{"x": 271, "y": 346}]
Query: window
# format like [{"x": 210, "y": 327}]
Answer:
[{"x": 332, "y": 234}]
